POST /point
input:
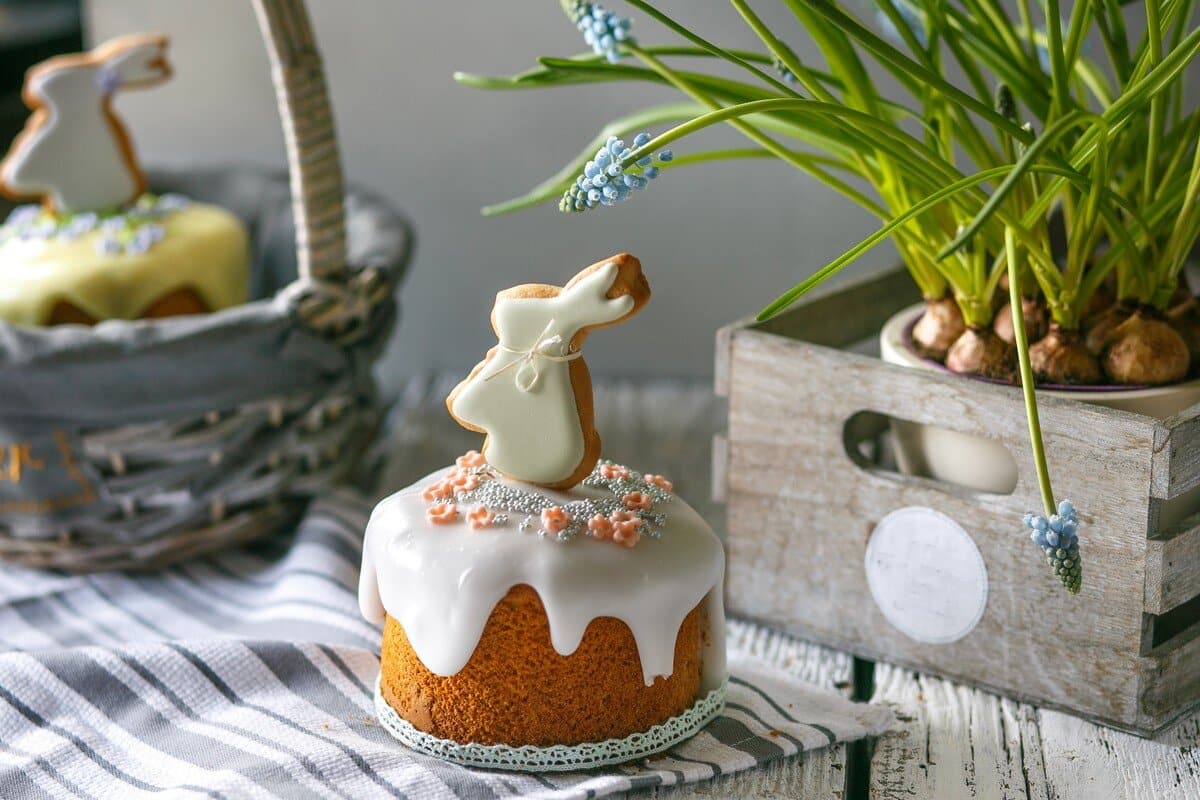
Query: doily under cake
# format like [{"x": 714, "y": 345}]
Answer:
[{"x": 556, "y": 758}]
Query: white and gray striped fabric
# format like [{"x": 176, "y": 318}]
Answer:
[{"x": 250, "y": 675}]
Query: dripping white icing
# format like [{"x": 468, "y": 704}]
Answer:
[{"x": 441, "y": 582}]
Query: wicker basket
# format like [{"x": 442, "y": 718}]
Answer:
[{"x": 199, "y": 432}]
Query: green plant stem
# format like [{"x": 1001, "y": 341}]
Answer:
[
  {"x": 719, "y": 52},
  {"x": 1027, "y": 27},
  {"x": 1112, "y": 33},
  {"x": 1026, "y": 371},
  {"x": 1183, "y": 232},
  {"x": 1154, "y": 125}
]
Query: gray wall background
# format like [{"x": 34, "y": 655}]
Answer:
[{"x": 717, "y": 242}]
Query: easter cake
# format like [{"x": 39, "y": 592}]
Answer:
[
  {"x": 543, "y": 608},
  {"x": 96, "y": 244}
]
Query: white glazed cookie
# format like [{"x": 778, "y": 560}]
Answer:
[
  {"x": 532, "y": 394},
  {"x": 74, "y": 152}
]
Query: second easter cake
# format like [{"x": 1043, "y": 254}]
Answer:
[{"x": 98, "y": 245}]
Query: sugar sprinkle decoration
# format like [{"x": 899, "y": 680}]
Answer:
[
  {"x": 1057, "y": 537},
  {"x": 630, "y": 509},
  {"x": 132, "y": 230}
]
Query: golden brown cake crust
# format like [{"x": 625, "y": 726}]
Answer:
[
  {"x": 516, "y": 689},
  {"x": 179, "y": 302}
]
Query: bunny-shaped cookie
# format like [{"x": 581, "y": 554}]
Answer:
[
  {"x": 532, "y": 394},
  {"x": 74, "y": 152}
]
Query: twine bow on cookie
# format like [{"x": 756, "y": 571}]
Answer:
[{"x": 528, "y": 370}]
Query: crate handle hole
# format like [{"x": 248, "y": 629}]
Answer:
[
  {"x": 1158, "y": 629},
  {"x": 879, "y": 443}
]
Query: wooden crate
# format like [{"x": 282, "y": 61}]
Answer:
[{"x": 803, "y": 499}]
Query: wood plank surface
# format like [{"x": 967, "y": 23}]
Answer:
[{"x": 953, "y": 742}]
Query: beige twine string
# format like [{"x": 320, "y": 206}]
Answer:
[{"x": 528, "y": 371}]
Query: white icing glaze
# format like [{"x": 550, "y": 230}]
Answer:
[
  {"x": 74, "y": 150},
  {"x": 441, "y": 582},
  {"x": 204, "y": 248},
  {"x": 523, "y": 396}
]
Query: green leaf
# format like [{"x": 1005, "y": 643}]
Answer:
[
  {"x": 902, "y": 65},
  {"x": 890, "y": 227},
  {"x": 1056, "y": 131}
]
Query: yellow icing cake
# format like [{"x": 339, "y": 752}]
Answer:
[{"x": 122, "y": 268}]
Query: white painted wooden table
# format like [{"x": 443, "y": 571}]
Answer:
[{"x": 950, "y": 742}]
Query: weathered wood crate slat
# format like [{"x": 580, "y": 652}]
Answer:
[{"x": 803, "y": 499}]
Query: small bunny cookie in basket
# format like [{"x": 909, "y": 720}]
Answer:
[
  {"x": 544, "y": 608},
  {"x": 98, "y": 245}
]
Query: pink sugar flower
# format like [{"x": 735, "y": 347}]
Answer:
[
  {"x": 480, "y": 518},
  {"x": 626, "y": 527},
  {"x": 613, "y": 472},
  {"x": 471, "y": 458},
  {"x": 659, "y": 481},
  {"x": 639, "y": 501},
  {"x": 438, "y": 491},
  {"x": 601, "y": 527},
  {"x": 555, "y": 520},
  {"x": 441, "y": 513},
  {"x": 627, "y": 534},
  {"x": 462, "y": 482}
]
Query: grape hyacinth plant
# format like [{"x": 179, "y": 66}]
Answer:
[
  {"x": 998, "y": 129},
  {"x": 605, "y": 181},
  {"x": 603, "y": 30},
  {"x": 1057, "y": 538}
]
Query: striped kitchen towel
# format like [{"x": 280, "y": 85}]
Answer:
[{"x": 251, "y": 675}]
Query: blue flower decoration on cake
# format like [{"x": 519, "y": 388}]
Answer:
[{"x": 131, "y": 231}]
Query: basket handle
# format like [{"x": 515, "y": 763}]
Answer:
[{"x": 312, "y": 152}]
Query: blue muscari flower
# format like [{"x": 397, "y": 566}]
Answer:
[
  {"x": 604, "y": 31},
  {"x": 108, "y": 246},
  {"x": 43, "y": 229},
  {"x": 136, "y": 246},
  {"x": 171, "y": 201},
  {"x": 788, "y": 76},
  {"x": 23, "y": 215},
  {"x": 913, "y": 18},
  {"x": 1057, "y": 536},
  {"x": 150, "y": 234},
  {"x": 605, "y": 182},
  {"x": 78, "y": 225},
  {"x": 113, "y": 224}
]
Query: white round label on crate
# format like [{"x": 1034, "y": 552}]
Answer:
[{"x": 926, "y": 575}]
